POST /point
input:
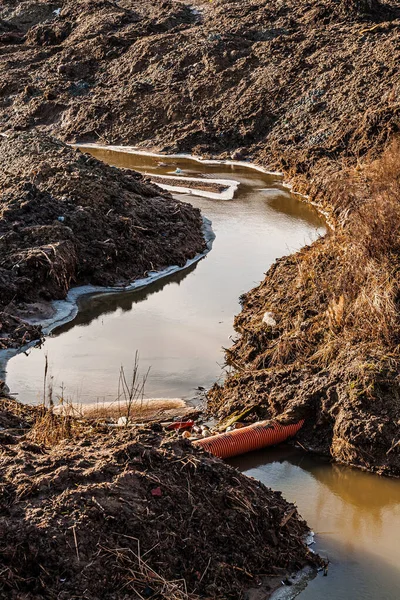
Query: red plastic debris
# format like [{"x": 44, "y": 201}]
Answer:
[
  {"x": 181, "y": 425},
  {"x": 156, "y": 491}
]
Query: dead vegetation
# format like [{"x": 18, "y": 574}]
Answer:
[
  {"x": 58, "y": 418},
  {"x": 334, "y": 355},
  {"x": 131, "y": 390}
]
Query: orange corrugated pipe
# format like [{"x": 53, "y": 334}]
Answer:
[{"x": 254, "y": 437}]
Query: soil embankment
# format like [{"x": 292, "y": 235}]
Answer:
[
  {"x": 133, "y": 513},
  {"x": 319, "y": 338},
  {"x": 67, "y": 219},
  {"x": 305, "y": 87}
]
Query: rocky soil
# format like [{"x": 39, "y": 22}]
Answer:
[
  {"x": 134, "y": 514},
  {"x": 67, "y": 219}
]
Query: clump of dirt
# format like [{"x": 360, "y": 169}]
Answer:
[
  {"x": 206, "y": 186},
  {"x": 15, "y": 418},
  {"x": 15, "y": 332},
  {"x": 66, "y": 218},
  {"x": 135, "y": 514},
  {"x": 319, "y": 337}
]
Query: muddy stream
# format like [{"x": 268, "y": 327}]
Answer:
[{"x": 179, "y": 325}]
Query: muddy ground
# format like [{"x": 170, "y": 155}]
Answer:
[
  {"x": 310, "y": 88},
  {"x": 67, "y": 219},
  {"x": 306, "y": 87},
  {"x": 134, "y": 514}
]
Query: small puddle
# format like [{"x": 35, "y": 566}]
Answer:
[{"x": 179, "y": 324}]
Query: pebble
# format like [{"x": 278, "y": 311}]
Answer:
[{"x": 268, "y": 319}]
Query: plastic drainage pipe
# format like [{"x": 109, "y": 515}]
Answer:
[{"x": 254, "y": 437}]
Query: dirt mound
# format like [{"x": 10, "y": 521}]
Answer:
[
  {"x": 15, "y": 417},
  {"x": 298, "y": 85},
  {"x": 132, "y": 514},
  {"x": 66, "y": 218},
  {"x": 15, "y": 332}
]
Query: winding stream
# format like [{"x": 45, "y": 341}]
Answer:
[{"x": 179, "y": 325}]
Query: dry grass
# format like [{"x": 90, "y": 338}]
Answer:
[
  {"x": 49, "y": 429},
  {"x": 350, "y": 281},
  {"x": 334, "y": 354},
  {"x": 149, "y": 408},
  {"x": 367, "y": 277},
  {"x": 336, "y": 301},
  {"x": 59, "y": 418},
  {"x": 131, "y": 390}
]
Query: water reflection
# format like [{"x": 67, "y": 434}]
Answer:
[
  {"x": 353, "y": 486},
  {"x": 93, "y": 306},
  {"x": 355, "y": 515}
]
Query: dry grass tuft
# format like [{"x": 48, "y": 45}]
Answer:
[
  {"x": 49, "y": 429},
  {"x": 350, "y": 283}
]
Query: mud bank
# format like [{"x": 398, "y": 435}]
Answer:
[
  {"x": 319, "y": 338},
  {"x": 70, "y": 220},
  {"x": 134, "y": 513}
]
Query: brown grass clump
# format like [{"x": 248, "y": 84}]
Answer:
[
  {"x": 368, "y": 274},
  {"x": 49, "y": 428}
]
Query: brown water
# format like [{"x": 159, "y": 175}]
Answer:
[
  {"x": 355, "y": 515},
  {"x": 179, "y": 325}
]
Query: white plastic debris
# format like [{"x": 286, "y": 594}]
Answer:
[
  {"x": 268, "y": 319},
  {"x": 122, "y": 421},
  {"x": 57, "y": 12}
]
